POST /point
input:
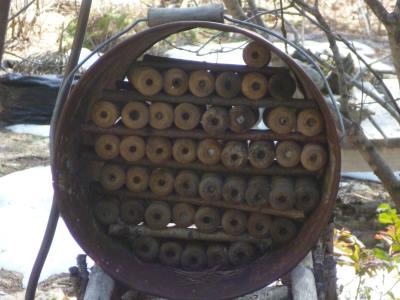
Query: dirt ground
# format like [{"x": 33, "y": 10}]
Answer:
[{"x": 22, "y": 151}]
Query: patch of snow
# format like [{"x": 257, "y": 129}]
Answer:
[
  {"x": 25, "y": 201},
  {"x": 40, "y": 130},
  {"x": 375, "y": 286},
  {"x": 84, "y": 53},
  {"x": 209, "y": 54}
]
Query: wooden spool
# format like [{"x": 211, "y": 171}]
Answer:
[{"x": 137, "y": 261}]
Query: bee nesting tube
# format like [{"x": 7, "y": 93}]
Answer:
[
  {"x": 170, "y": 253},
  {"x": 242, "y": 118},
  {"x": 175, "y": 82},
  {"x": 187, "y": 183},
  {"x": 207, "y": 219},
  {"x": 228, "y": 84},
  {"x": 261, "y": 154},
  {"x": 132, "y": 148},
  {"x": 234, "y": 222},
  {"x": 217, "y": 255},
  {"x": 254, "y": 85},
  {"x": 107, "y": 146},
  {"x": 183, "y": 215},
  {"x": 146, "y": 80},
  {"x": 135, "y": 115},
  {"x": 210, "y": 187},
  {"x": 104, "y": 114},
  {"x": 201, "y": 83},
  {"x": 158, "y": 215},
  {"x": 161, "y": 182},
  {"x": 137, "y": 179},
  {"x": 147, "y": 167},
  {"x": 215, "y": 120},
  {"x": 161, "y": 115},
  {"x": 194, "y": 257},
  {"x": 184, "y": 150},
  {"x": 187, "y": 116},
  {"x": 234, "y": 189}
]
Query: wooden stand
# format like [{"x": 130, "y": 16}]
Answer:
[{"x": 303, "y": 287}]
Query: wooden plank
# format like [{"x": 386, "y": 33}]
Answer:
[{"x": 352, "y": 161}]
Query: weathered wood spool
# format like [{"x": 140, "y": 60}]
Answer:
[{"x": 234, "y": 249}]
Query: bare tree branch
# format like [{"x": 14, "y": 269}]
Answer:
[
  {"x": 379, "y": 10},
  {"x": 335, "y": 50},
  {"x": 255, "y": 13},
  {"x": 325, "y": 27},
  {"x": 21, "y": 11},
  {"x": 366, "y": 148},
  {"x": 234, "y": 9}
]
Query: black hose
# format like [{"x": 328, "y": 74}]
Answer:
[
  {"x": 43, "y": 251},
  {"x": 54, "y": 213}
]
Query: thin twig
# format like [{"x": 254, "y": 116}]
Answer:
[{"x": 21, "y": 11}]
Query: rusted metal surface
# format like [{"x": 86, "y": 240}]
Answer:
[
  {"x": 72, "y": 192},
  {"x": 4, "y": 11}
]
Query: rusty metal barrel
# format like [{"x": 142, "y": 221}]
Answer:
[{"x": 195, "y": 205}]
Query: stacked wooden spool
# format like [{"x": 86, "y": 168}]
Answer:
[{"x": 187, "y": 179}]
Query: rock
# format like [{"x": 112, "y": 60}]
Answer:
[{"x": 10, "y": 281}]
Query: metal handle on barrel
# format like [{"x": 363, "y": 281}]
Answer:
[{"x": 211, "y": 13}]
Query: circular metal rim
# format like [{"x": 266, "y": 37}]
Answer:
[{"x": 157, "y": 279}]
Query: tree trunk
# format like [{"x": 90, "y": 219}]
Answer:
[
  {"x": 234, "y": 9},
  {"x": 394, "y": 41},
  {"x": 391, "y": 21}
]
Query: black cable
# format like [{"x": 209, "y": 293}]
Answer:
[
  {"x": 305, "y": 54},
  {"x": 43, "y": 251},
  {"x": 54, "y": 212}
]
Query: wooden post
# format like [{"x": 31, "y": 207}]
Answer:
[
  {"x": 303, "y": 281},
  {"x": 100, "y": 286},
  {"x": 4, "y": 10}
]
